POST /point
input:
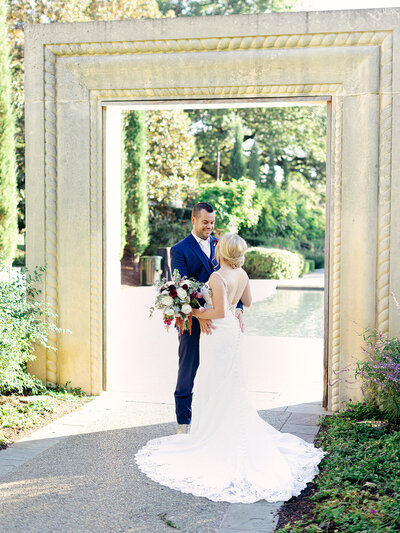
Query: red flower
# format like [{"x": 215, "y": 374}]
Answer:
[
  {"x": 193, "y": 295},
  {"x": 173, "y": 293}
]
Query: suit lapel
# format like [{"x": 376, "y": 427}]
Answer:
[{"x": 202, "y": 256}]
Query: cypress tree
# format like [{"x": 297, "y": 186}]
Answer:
[
  {"x": 270, "y": 183},
  {"x": 123, "y": 196},
  {"x": 8, "y": 182},
  {"x": 254, "y": 164},
  {"x": 135, "y": 183},
  {"x": 237, "y": 164}
]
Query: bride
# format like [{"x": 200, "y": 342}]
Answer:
[{"x": 230, "y": 453}]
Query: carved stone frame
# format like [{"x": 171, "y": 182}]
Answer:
[{"x": 74, "y": 70}]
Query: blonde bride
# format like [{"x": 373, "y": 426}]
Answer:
[{"x": 230, "y": 453}]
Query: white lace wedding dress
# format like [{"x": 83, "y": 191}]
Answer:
[{"x": 230, "y": 454}]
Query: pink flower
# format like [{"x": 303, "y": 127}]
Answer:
[{"x": 372, "y": 511}]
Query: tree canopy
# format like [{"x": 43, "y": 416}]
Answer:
[
  {"x": 223, "y": 7},
  {"x": 295, "y": 137}
]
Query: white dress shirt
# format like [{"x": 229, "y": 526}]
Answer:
[{"x": 204, "y": 244}]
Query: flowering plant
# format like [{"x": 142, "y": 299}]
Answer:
[
  {"x": 177, "y": 298},
  {"x": 380, "y": 372}
]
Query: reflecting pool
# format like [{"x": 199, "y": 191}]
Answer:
[{"x": 287, "y": 313}]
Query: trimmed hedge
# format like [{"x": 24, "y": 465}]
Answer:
[
  {"x": 313, "y": 250},
  {"x": 311, "y": 262},
  {"x": 270, "y": 263},
  {"x": 309, "y": 266}
]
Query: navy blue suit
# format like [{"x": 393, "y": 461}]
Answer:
[{"x": 190, "y": 260}]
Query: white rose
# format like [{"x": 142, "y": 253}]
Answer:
[
  {"x": 164, "y": 292},
  {"x": 169, "y": 311},
  {"x": 167, "y": 300},
  {"x": 181, "y": 293},
  {"x": 186, "y": 309}
]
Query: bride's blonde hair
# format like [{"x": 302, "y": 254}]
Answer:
[{"x": 231, "y": 249}]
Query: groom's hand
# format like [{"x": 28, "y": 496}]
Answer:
[
  {"x": 206, "y": 325},
  {"x": 239, "y": 316}
]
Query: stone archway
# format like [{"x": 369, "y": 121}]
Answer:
[{"x": 73, "y": 71}]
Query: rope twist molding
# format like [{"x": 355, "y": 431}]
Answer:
[
  {"x": 336, "y": 256},
  {"x": 385, "y": 173},
  {"x": 221, "y": 44},
  {"x": 50, "y": 116}
]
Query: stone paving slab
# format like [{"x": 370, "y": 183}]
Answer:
[
  {"x": 299, "y": 428},
  {"x": 303, "y": 418},
  {"x": 261, "y": 516}
]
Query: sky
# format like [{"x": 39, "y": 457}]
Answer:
[{"x": 324, "y": 5}]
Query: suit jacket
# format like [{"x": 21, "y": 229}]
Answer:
[{"x": 190, "y": 260}]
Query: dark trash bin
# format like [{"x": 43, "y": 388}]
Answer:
[{"x": 150, "y": 269}]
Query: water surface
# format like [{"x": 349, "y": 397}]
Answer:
[{"x": 287, "y": 313}]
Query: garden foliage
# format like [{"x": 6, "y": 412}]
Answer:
[
  {"x": 271, "y": 263},
  {"x": 253, "y": 170},
  {"x": 8, "y": 183},
  {"x": 237, "y": 163},
  {"x": 24, "y": 12},
  {"x": 380, "y": 373},
  {"x": 136, "y": 219},
  {"x": 235, "y": 203},
  {"x": 23, "y": 325},
  {"x": 358, "y": 487}
]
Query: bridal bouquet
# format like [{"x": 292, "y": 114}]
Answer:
[{"x": 177, "y": 298}]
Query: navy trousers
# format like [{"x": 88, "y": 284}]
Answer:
[{"x": 188, "y": 365}]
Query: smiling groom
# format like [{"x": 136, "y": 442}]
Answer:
[{"x": 193, "y": 257}]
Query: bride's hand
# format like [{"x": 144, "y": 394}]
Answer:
[{"x": 206, "y": 325}]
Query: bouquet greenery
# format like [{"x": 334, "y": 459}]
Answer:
[{"x": 177, "y": 298}]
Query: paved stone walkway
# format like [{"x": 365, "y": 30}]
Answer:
[{"x": 78, "y": 475}]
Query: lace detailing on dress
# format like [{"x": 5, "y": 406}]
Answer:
[
  {"x": 230, "y": 307},
  {"x": 240, "y": 489},
  {"x": 230, "y": 454}
]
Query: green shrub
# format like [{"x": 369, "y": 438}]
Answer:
[
  {"x": 318, "y": 256},
  {"x": 236, "y": 203},
  {"x": 22, "y": 325},
  {"x": 285, "y": 243},
  {"x": 311, "y": 250},
  {"x": 269, "y": 263},
  {"x": 163, "y": 234},
  {"x": 310, "y": 265},
  {"x": 306, "y": 268},
  {"x": 294, "y": 215}
]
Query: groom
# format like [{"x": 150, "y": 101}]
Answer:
[{"x": 194, "y": 258}]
